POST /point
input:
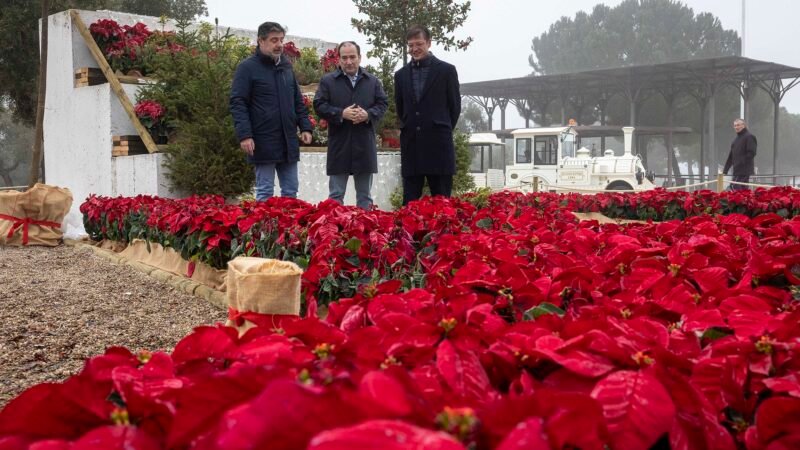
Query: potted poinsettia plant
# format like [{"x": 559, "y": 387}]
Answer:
[
  {"x": 152, "y": 115},
  {"x": 319, "y": 133},
  {"x": 330, "y": 60},
  {"x": 122, "y": 45}
]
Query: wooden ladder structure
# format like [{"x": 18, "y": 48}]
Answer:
[{"x": 113, "y": 80}]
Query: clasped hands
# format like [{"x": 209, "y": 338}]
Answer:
[{"x": 355, "y": 114}]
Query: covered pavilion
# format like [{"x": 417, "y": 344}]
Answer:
[{"x": 699, "y": 78}]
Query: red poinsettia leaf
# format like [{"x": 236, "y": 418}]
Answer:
[
  {"x": 313, "y": 331},
  {"x": 702, "y": 320},
  {"x": 117, "y": 437},
  {"x": 385, "y": 435},
  {"x": 696, "y": 426},
  {"x": 712, "y": 279},
  {"x": 200, "y": 404},
  {"x": 573, "y": 420},
  {"x": 581, "y": 362},
  {"x": 744, "y": 302},
  {"x": 204, "y": 343},
  {"x": 354, "y": 318},
  {"x": 748, "y": 323},
  {"x": 777, "y": 418},
  {"x": 462, "y": 371},
  {"x": 287, "y": 415},
  {"x": 788, "y": 384},
  {"x": 527, "y": 435},
  {"x": 387, "y": 392},
  {"x": 99, "y": 368},
  {"x": 637, "y": 408}
]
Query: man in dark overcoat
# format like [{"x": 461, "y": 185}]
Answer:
[
  {"x": 428, "y": 105},
  {"x": 267, "y": 109},
  {"x": 353, "y": 102},
  {"x": 742, "y": 155}
]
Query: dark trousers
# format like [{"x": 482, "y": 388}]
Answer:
[
  {"x": 740, "y": 179},
  {"x": 439, "y": 184}
]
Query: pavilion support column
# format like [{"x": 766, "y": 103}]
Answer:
[
  {"x": 488, "y": 104},
  {"x": 502, "y": 103},
  {"x": 746, "y": 90},
  {"x": 703, "y": 102},
  {"x": 602, "y": 104},
  {"x": 713, "y": 164},
  {"x": 776, "y": 114},
  {"x": 543, "y": 110},
  {"x": 669, "y": 141},
  {"x": 632, "y": 107}
]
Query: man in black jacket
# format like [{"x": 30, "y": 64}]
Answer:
[
  {"x": 267, "y": 109},
  {"x": 428, "y": 105},
  {"x": 742, "y": 155},
  {"x": 352, "y": 100}
]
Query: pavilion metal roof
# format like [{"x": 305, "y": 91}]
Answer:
[{"x": 680, "y": 75}]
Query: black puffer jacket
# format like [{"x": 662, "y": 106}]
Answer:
[{"x": 267, "y": 106}]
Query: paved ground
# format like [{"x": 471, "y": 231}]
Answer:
[{"x": 59, "y": 306}]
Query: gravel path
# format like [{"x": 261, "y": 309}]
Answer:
[{"x": 59, "y": 306}]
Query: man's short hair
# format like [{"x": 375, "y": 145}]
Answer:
[
  {"x": 416, "y": 30},
  {"x": 270, "y": 27},
  {"x": 339, "y": 47},
  {"x": 740, "y": 120}
]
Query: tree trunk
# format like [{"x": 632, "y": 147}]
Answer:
[
  {"x": 676, "y": 169},
  {"x": 7, "y": 181},
  {"x": 38, "y": 140}
]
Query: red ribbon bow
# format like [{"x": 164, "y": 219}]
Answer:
[
  {"x": 272, "y": 321},
  {"x": 24, "y": 223}
]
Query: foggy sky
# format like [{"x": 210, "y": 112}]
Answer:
[{"x": 503, "y": 29}]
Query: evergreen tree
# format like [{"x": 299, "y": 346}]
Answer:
[
  {"x": 473, "y": 119},
  {"x": 632, "y": 33},
  {"x": 387, "y": 21},
  {"x": 15, "y": 144}
]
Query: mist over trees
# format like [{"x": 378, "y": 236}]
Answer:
[{"x": 640, "y": 32}]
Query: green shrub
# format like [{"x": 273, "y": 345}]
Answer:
[{"x": 307, "y": 68}]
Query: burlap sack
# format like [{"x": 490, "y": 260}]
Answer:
[
  {"x": 34, "y": 217},
  {"x": 114, "y": 246},
  {"x": 602, "y": 218},
  {"x": 266, "y": 287},
  {"x": 169, "y": 260}
]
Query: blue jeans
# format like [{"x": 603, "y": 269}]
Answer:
[
  {"x": 337, "y": 185},
  {"x": 265, "y": 179}
]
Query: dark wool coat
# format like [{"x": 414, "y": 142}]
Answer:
[
  {"x": 426, "y": 136},
  {"x": 351, "y": 147},
  {"x": 742, "y": 154},
  {"x": 267, "y": 106}
]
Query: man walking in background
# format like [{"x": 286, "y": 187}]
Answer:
[
  {"x": 267, "y": 109},
  {"x": 742, "y": 155},
  {"x": 428, "y": 105},
  {"x": 352, "y": 100}
]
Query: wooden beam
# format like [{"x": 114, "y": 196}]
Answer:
[{"x": 116, "y": 86}]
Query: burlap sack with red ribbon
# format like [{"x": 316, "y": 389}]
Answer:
[
  {"x": 34, "y": 217},
  {"x": 262, "y": 292}
]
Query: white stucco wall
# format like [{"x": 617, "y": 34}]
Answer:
[
  {"x": 79, "y": 124},
  {"x": 314, "y": 183}
]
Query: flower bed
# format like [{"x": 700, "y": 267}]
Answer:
[{"x": 531, "y": 330}]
